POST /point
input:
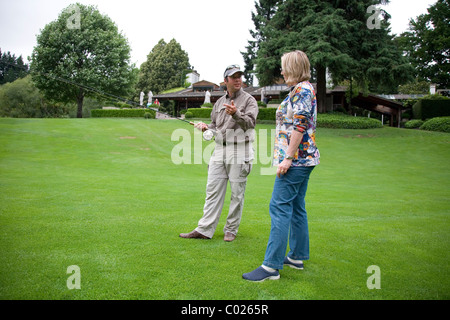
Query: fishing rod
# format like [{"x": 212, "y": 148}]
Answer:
[
  {"x": 207, "y": 135},
  {"x": 102, "y": 93}
]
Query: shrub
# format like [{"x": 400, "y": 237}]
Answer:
[
  {"x": 262, "y": 104},
  {"x": 149, "y": 115},
  {"x": 207, "y": 105},
  {"x": 431, "y": 106},
  {"x": 122, "y": 105},
  {"x": 267, "y": 114},
  {"x": 342, "y": 121},
  {"x": 121, "y": 113},
  {"x": 276, "y": 101},
  {"x": 413, "y": 124},
  {"x": 154, "y": 106},
  {"x": 21, "y": 99},
  {"x": 188, "y": 115},
  {"x": 441, "y": 124},
  {"x": 200, "y": 112}
]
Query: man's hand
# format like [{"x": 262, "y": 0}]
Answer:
[
  {"x": 201, "y": 126},
  {"x": 230, "y": 108}
]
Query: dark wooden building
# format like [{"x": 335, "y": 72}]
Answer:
[{"x": 194, "y": 97}]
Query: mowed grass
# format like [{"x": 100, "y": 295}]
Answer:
[{"x": 105, "y": 195}]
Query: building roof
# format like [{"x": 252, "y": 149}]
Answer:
[
  {"x": 190, "y": 94},
  {"x": 273, "y": 92},
  {"x": 370, "y": 101},
  {"x": 204, "y": 83}
]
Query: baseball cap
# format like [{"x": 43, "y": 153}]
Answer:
[{"x": 230, "y": 70}]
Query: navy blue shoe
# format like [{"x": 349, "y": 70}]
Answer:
[
  {"x": 261, "y": 274},
  {"x": 298, "y": 266}
]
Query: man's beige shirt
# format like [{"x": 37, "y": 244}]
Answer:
[
  {"x": 244, "y": 118},
  {"x": 238, "y": 128}
]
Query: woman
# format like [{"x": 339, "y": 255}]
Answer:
[{"x": 296, "y": 155}]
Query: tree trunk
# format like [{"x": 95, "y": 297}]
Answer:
[
  {"x": 321, "y": 89},
  {"x": 80, "y": 99},
  {"x": 350, "y": 108}
]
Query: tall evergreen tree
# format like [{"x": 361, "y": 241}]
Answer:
[
  {"x": 11, "y": 67},
  {"x": 265, "y": 10},
  {"x": 335, "y": 35}
]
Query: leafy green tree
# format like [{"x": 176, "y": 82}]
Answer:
[
  {"x": 11, "y": 68},
  {"x": 427, "y": 44},
  {"x": 416, "y": 87},
  {"x": 336, "y": 37},
  {"x": 21, "y": 99},
  {"x": 75, "y": 60},
  {"x": 166, "y": 68}
]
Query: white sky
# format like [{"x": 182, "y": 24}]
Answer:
[{"x": 212, "y": 32}]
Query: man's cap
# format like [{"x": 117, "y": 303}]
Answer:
[{"x": 231, "y": 70}]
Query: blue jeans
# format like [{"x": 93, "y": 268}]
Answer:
[{"x": 289, "y": 220}]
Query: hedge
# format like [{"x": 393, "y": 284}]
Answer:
[
  {"x": 200, "y": 112},
  {"x": 264, "y": 113},
  {"x": 336, "y": 120},
  {"x": 122, "y": 113},
  {"x": 431, "y": 108},
  {"x": 413, "y": 124},
  {"x": 267, "y": 113},
  {"x": 342, "y": 121},
  {"x": 441, "y": 124}
]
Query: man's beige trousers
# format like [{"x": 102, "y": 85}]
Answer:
[{"x": 226, "y": 164}]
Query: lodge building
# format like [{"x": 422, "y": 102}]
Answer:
[{"x": 194, "y": 97}]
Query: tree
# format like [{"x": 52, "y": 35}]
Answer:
[
  {"x": 21, "y": 99},
  {"x": 416, "y": 87},
  {"x": 265, "y": 10},
  {"x": 11, "y": 68},
  {"x": 427, "y": 44},
  {"x": 72, "y": 61},
  {"x": 336, "y": 37},
  {"x": 166, "y": 68}
]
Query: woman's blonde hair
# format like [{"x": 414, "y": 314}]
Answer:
[{"x": 296, "y": 67}]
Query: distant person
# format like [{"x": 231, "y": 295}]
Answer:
[
  {"x": 296, "y": 155},
  {"x": 233, "y": 119}
]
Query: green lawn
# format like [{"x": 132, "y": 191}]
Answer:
[{"x": 104, "y": 194}]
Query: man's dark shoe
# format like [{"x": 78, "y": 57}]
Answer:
[{"x": 193, "y": 235}]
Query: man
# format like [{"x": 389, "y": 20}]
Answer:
[{"x": 233, "y": 120}]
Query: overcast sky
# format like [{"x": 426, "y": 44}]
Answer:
[{"x": 212, "y": 32}]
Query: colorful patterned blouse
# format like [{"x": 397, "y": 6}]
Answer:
[{"x": 298, "y": 111}]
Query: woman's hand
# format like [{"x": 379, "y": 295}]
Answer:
[
  {"x": 296, "y": 138},
  {"x": 283, "y": 167}
]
